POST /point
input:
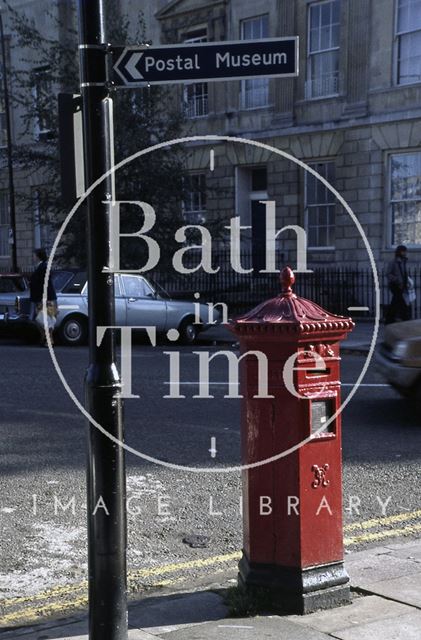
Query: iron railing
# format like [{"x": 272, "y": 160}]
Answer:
[{"x": 340, "y": 290}]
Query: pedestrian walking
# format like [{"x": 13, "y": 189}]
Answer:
[
  {"x": 401, "y": 287},
  {"x": 36, "y": 288}
]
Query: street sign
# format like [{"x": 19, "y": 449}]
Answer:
[
  {"x": 204, "y": 62},
  {"x": 72, "y": 161}
]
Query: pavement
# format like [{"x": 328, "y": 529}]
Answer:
[
  {"x": 386, "y": 605},
  {"x": 358, "y": 341},
  {"x": 385, "y": 584}
]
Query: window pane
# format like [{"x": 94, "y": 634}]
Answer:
[
  {"x": 335, "y": 12},
  {"x": 194, "y": 204},
  {"x": 324, "y": 71},
  {"x": 198, "y": 35},
  {"x": 325, "y": 38},
  {"x": 406, "y": 176},
  {"x": 264, "y": 27},
  {"x": 323, "y": 67},
  {"x": 335, "y": 35},
  {"x": 314, "y": 39},
  {"x": 255, "y": 28},
  {"x": 196, "y": 95},
  {"x": 196, "y": 99},
  {"x": 320, "y": 202},
  {"x": 325, "y": 13},
  {"x": 132, "y": 286},
  {"x": 255, "y": 93},
  {"x": 312, "y": 237},
  {"x": 315, "y": 16},
  {"x": 406, "y": 221},
  {"x": 406, "y": 198},
  {"x": 323, "y": 237},
  {"x": 403, "y": 18},
  {"x": 409, "y": 58},
  {"x": 311, "y": 188},
  {"x": 247, "y": 30},
  {"x": 415, "y": 14}
]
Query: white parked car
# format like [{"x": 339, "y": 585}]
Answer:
[{"x": 137, "y": 303}]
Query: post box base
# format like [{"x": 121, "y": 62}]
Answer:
[{"x": 296, "y": 590}]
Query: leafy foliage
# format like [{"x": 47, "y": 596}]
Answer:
[{"x": 141, "y": 118}]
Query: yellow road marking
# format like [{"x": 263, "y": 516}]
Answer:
[
  {"x": 33, "y": 613},
  {"x": 375, "y": 522},
  {"x": 192, "y": 564},
  {"x": 389, "y": 533},
  {"x": 54, "y": 591}
]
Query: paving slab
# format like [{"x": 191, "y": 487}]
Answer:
[
  {"x": 367, "y": 608},
  {"x": 406, "y": 627},
  {"x": 163, "y": 614},
  {"x": 72, "y": 628},
  {"x": 259, "y": 628},
  {"x": 407, "y": 551},
  {"x": 381, "y": 563},
  {"x": 406, "y": 589},
  {"x": 67, "y": 632}
]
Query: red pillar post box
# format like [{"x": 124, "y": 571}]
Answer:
[{"x": 292, "y": 506}]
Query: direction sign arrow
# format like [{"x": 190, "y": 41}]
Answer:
[
  {"x": 204, "y": 62},
  {"x": 131, "y": 66}
]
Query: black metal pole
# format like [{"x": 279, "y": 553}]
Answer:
[
  {"x": 106, "y": 462},
  {"x": 12, "y": 207}
]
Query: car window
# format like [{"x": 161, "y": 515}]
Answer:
[
  {"x": 60, "y": 279},
  {"x": 117, "y": 287},
  {"x": 20, "y": 284},
  {"x": 159, "y": 290},
  {"x": 76, "y": 284},
  {"x": 7, "y": 285},
  {"x": 136, "y": 287},
  {"x": 11, "y": 284}
]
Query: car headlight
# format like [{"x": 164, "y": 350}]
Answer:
[{"x": 399, "y": 350}]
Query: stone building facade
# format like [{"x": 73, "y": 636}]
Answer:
[
  {"x": 353, "y": 114},
  {"x": 33, "y": 227}
]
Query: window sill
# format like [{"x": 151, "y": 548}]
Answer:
[
  {"x": 266, "y": 106},
  {"x": 394, "y": 88},
  {"x": 330, "y": 96},
  {"x": 399, "y": 85},
  {"x": 321, "y": 248}
]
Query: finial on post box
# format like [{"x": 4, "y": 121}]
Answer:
[{"x": 287, "y": 278}]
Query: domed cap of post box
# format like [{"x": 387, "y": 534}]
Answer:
[{"x": 288, "y": 312}]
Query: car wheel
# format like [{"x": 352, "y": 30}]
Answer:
[
  {"x": 74, "y": 330},
  {"x": 188, "y": 331}
]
